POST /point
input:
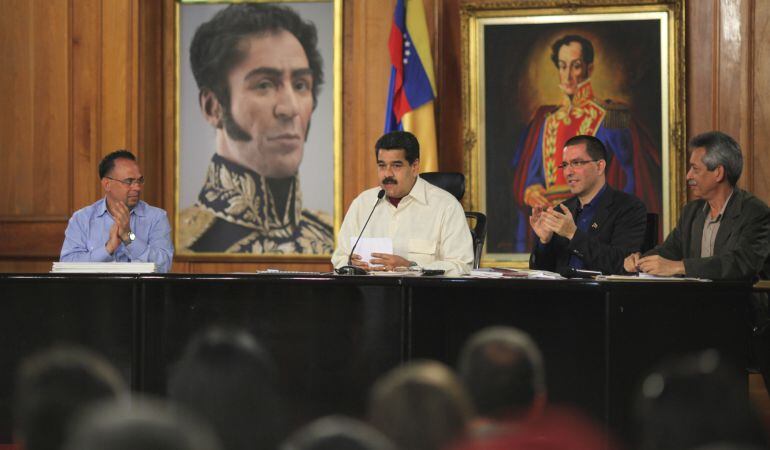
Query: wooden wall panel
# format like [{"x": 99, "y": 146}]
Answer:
[
  {"x": 86, "y": 101},
  {"x": 149, "y": 98},
  {"x": 16, "y": 126},
  {"x": 117, "y": 121},
  {"x": 449, "y": 85},
  {"x": 701, "y": 54},
  {"x": 760, "y": 169},
  {"x": 34, "y": 129},
  {"x": 733, "y": 71},
  {"x": 366, "y": 77},
  {"x": 168, "y": 169},
  {"x": 31, "y": 239}
]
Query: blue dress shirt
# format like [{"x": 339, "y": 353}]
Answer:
[
  {"x": 583, "y": 218},
  {"x": 89, "y": 230}
]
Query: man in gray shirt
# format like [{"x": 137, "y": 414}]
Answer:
[{"x": 725, "y": 233}]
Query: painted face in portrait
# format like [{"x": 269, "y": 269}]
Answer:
[
  {"x": 397, "y": 176},
  {"x": 124, "y": 183},
  {"x": 271, "y": 102},
  {"x": 572, "y": 69},
  {"x": 587, "y": 176},
  {"x": 700, "y": 180}
]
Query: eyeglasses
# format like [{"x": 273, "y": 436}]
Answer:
[
  {"x": 576, "y": 164},
  {"x": 129, "y": 181}
]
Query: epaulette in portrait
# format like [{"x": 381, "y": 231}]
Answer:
[
  {"x": 193, "y": 222},
  {"x": 617, "y": 115}
]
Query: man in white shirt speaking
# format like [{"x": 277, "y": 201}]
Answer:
[{"x": 426, "y": 223}]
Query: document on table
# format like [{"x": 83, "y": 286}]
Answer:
[
  {"x": 102, "y": 267},
  {"x": 366, "y": 246},
  {"x": 646, "y": 277}
]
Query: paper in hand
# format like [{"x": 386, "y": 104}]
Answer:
[{"x": 366, "y": 246}]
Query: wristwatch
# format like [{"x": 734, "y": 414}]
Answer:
[{"x": 131, "y": 238}]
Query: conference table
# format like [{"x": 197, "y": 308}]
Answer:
[{"x": 333, "y": 336}]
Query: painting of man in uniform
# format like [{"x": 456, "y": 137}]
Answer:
[
  {"x": 254, "y": 177},
  {"x": 548, "y": 82}
]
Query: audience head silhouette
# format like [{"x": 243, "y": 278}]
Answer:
[
  {"x": 140, "y": 424},
  {"x": 337, "y": 433},
  {"x": 227, "y": 378},
  {"x": 420, "y": 406},
  {"x": 502, "y": 368},
  {"x": 55, "y": 386}
]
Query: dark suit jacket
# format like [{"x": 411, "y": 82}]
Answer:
[
  {"x": 741, "y": 246},
  {"x": 616, "y": 231}
]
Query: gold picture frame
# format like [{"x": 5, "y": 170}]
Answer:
[
  {"x": 231, "y": 223},
  {"x": 510, "y": 83}
]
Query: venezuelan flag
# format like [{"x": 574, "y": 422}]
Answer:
[{"x": 412, "y": 84}]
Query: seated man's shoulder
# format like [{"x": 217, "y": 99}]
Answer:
[
  {"x": 630, "y": 201},
  {"x": 755, "y": 204},
  {"x": 87, "y": 210},
  {"x": 436, "y": 193},
  {"x": 154, "y": 210},
  {"x": 753, "y": 199}
]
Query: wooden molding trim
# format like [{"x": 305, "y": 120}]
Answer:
[{"x": 31, "y": 239}]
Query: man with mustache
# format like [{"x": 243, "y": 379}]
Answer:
[
  {"x": 259, "y": 71},
  {"x": 597, "y": 227},
  {"x": 120, "y": 227},
  {"x": 722, "y": 235},
  {"x": 725, "y": 233},
  {"x": 426, "y": 223}
]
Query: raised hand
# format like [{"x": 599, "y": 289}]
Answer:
[
  {"x": 560, "y": 222},
  {"x": 122, "y": 216},
  {"x": 114, "y": 240},
  {"x": 537, "y": 223}
]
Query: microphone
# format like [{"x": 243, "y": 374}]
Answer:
[{"x": 350, "y": 269}]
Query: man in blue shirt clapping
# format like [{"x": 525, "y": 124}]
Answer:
[{"x": 119, "y": 227}]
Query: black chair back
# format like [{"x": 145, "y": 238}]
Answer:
[
  {"x": 452, "y": 182},
  {"x": 478, "y": 224}
]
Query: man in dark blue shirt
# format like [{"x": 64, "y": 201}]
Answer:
[{"x": 596, "y": 228}]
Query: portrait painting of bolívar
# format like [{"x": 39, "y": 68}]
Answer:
[{"x": 254, "y": 176}]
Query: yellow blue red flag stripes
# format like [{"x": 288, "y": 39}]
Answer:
[{"x": 412, "y": 86}]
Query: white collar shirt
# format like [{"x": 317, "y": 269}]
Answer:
[{"x": 428, "y": 227}]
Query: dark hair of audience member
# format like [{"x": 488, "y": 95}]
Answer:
[
  {"x": 502, "y": 368},
  {"x": 696, "y": 401},
  {"x": 337, "y": 433},
  {"x": 420, "y": 406},
  {"x": 53, "y": 387},
  {"x": 227, "y": 378},
  {"x": 140, "y": 424}
]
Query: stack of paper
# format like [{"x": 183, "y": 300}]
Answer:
[
  {"x": 486, "y": 273},
  {"x": 505, "y": 272},
  {"x": 103, "y": 267},
  {"x": 541, "y": 274},
  {"x": 646, "y": 277}
]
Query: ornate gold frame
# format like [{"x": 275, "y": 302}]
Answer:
[
  {"x": 337, "y": 70},
  {"x": 673, "y": 153}
]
